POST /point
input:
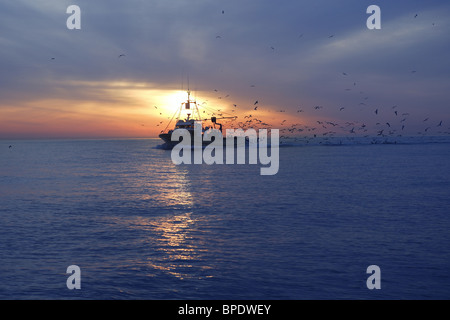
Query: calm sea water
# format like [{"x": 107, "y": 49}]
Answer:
[{"x": 140, "y": 227}]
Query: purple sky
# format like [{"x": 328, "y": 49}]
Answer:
[{"x": 291, "y": 55}]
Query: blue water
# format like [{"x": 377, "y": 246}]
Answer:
[{"x": 140, "y": 227}]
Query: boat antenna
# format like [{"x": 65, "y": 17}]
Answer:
[{"x": 188, "y": 89}]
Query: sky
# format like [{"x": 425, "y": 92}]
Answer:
[{"x": 312, "y": 66}]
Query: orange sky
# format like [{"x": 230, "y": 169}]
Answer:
[{"x": 119, "y": 109}]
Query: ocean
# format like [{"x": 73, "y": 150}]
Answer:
[{"x": 140, "y": 227}]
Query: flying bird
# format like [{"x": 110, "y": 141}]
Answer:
[{"x": 121, "y": 55}]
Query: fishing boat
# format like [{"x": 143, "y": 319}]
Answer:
[{"x": 192, "y": 120}]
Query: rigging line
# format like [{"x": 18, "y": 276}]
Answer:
[{"x": 170, "y": 121}]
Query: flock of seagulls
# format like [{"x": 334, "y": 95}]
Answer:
[
  {"x": 291, "y": 129},
  {"x": 384, "y": 122}
]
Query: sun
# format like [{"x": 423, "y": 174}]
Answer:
[{"x": 172, "y": 100}]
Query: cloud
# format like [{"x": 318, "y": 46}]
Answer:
[{"x": 294, "y": 53}]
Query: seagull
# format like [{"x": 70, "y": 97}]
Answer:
[
  {"x": 331, "y": 36},
  {"x": 223, "y": 11},
  {"x": 416, "y": 15},
  {"x": 256, "y": 102},
  {"x": 52, "y": 58},
  {"x": 376, "y": 111},
  {"x": 121, "y": 55},
  {"x": 342, "y": 108},
  {"x": 10, "y": 146},
  {"x": 344, "y": 73},
  {"x": 439, "y": 125},
  {"x": 256, "y": 108}
]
